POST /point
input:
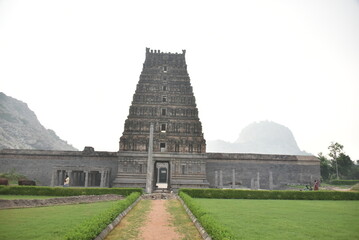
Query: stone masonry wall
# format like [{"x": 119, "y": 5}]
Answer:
[
  {"x": 38, "y": 164},
  {"x": 259, "y": 171},
  {"x": 256, "y": 171}
]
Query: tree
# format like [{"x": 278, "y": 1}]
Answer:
[
  {"x": 354, "y": 172},
  {"x": 325, "y": 167},
  {"x": 345, "y": 165},
  {"x": 335, "y": 149}
]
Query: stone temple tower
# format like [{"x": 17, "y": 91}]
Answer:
[{"x": 163, "y": 99}]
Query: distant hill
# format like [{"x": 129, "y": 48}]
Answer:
[
  {"x": 263, "y": 137},
  {"x": 20, "y": 128}
]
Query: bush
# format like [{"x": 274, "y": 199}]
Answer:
[
  {"x": 213, "y": 228},
  {"x": 344, "y": 182},
  {"x": 12, "y": 176},
  {"x": 265, "y": 194},
  {"x": 64, "y": 191},
  {"x": 92, "y": 228},
  {"x": 355, "y": 187}
]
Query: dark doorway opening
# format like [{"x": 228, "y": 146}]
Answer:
[{"x": 162, "y": 175}]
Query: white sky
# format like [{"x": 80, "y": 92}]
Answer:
[{"x": 77, "y": 63}]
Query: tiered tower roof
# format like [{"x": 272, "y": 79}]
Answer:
[{"x": 164, "y": 97}]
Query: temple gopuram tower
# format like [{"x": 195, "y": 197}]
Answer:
[{"x": 163, "y": 97}]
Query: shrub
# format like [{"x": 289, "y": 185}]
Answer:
[
  {"x": 213, "y": 228},
  {"x": 265, "y": 194},
  {"x": 355, "y": 187},
  {"x": 92, "y": 228},
  {"x": 61, "y": 191},
  {"x": 344, "y": 182},
  {"x": 12, "y": 176}
]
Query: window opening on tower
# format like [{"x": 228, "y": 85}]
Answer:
[
  {"x": 163, "y": 147},
  {"x": 163, "y": 127}
]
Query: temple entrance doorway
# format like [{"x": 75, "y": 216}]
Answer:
[{"x": 162, "y": 175}]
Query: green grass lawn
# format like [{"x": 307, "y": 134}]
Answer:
[
  {"x": 181, "y": 221},
  {"x": 286, "y": 219},
  {"x": 129, "y": 228},
  {"x": 46, "y": 222},
  {"x": 12, "y": 197}
]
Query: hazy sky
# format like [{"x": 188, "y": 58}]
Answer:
[{"x": 77, "y": 63}]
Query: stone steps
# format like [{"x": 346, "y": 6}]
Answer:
[{"x": 159, "y": 196}]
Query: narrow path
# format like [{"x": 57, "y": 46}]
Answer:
[
  {"x": 158, "y": 224},
  {"x": 156, "y": 219}
]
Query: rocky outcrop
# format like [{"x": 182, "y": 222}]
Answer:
[
  {"x": 260, "y": 137},
  {"x": 20, "y": 128}
]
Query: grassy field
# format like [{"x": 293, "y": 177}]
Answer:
[
  {"x": 129, "y": 227},
  {"x": 286, "y": 219},
  {"x": 46, "y": 222},
  {"x": 181, "y": 221}
]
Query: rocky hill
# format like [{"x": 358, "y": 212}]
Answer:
[
  {"x": 263, "y": 137},
  {"x": 20, "y": 128}
]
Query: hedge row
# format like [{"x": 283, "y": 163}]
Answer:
[
  {"x": 90, "y": 229},
  {"x": 344, "y": 182},
  {"x": 65, "y": 191},
  {"x": 213, "y": 228},
  {"x": 265, "y": 194}
]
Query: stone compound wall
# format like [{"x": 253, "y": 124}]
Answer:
[
  {"x": 39, "y": 164},
  {"x": 256, "y": 171},
  {"x": 259, "y": 171}
]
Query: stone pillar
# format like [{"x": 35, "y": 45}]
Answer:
[
  {"x": 89, "y": 179},
  {"x": 86, "y": 178},
  {"x": 233, "y": 178},
  {"x": 149, "y": 177},
  {"x": 216, "y": 178},
  {"x": 158, "y": 173},
  {"x": 258, "y": 183},
  {"x": 107, "y": 180},
  {"x": 270, "y": 181},
  {"x": 252, "y": 183},
  {"x": 102, "y": 178},
  {"x": 220, "y": 179},
  {"x": 53, "y": 177}
]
